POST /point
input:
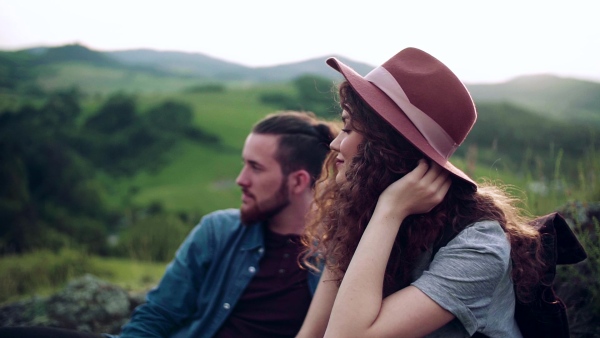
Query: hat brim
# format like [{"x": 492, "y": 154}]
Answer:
[{"x": 390, "y": 112}]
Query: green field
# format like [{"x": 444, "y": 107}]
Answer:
[{"x": 201, "y": 178}]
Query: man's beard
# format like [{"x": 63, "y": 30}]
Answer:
[{"x": 269, "y": 208}]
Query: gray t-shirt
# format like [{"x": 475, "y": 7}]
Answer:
[{"x": 470, "y": 277}]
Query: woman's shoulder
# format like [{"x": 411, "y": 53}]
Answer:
[
  {"x": 485, "y": 236},
  {"x": 485, "y": 227}
]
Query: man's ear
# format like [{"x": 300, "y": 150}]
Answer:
[{"x": 299, "y": 181}]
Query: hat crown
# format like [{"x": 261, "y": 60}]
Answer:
[{"x": 434, "y": 89}]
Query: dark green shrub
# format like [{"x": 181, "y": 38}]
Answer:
[
  {"x": 153, "y": 238},
  {"x": 280, "y": 101},
  {"x": 206, "y": 88}
]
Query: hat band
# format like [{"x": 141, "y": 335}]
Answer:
[{"x": 437, "y": 137}]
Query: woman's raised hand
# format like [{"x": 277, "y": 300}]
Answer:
[{"x": 416, "y": 193}]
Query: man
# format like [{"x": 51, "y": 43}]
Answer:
[{"x": 237, "y": 273}]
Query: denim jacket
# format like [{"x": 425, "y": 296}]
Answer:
[{"x": 203, "y": 283}]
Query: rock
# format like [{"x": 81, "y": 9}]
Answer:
[
  {"x": 86, "y": 304},
  {"x": 89, "y": 304},
  {"x": 581, "y": 215},
  {"x": 24, "y": 313}
]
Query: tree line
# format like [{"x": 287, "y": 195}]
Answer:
[{"x": 51, "y": 156}]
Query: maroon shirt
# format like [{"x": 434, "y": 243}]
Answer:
[{"x": 276, "y": 301}]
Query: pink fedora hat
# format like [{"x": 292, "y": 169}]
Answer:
[{"x": 422, "y": 99}]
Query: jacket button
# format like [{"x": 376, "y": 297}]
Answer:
[
  {"x": 226, "y": 306},
  {"x": 252, "y": 269},
  {"x": 261, "y": 250}
]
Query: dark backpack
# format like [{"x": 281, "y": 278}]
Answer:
[{"x": 546, "y": 315}]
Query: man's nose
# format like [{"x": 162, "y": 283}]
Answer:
[{"x": 242, "y": 179}]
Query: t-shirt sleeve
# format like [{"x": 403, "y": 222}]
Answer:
[{"x": 464, "y": 274}]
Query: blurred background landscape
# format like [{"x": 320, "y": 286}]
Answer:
[{"x": 108, "y": 159}]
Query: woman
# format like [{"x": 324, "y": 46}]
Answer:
[{"x": 393, "y": 197}]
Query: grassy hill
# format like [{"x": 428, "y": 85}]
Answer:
[
  {"x": 522, "y": 134},
  {"x": 562, "y": 98}
]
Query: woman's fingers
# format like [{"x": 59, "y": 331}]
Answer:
[
  {"x": 420, "y": 170},
  {"x": 438, "y": 183},
  {"x": 432, "y": 176},
  {"x": 418, "y": 191}
]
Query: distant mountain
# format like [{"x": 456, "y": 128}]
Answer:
[
  {"x": 40, "y": 56},
  {"x": 315, "y": 66},
  {"x": 187, "y": 65},
  {"x": 146, "y": 70},
  {"x": 70, "y": 53},
  {"x": 201, "y": 65},
  {"x": 181, "y": 64}
]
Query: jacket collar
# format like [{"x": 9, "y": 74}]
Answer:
[{"x": 255, "y": 236}]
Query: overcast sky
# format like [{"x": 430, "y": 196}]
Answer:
[{"x": 482, "y": 41}]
